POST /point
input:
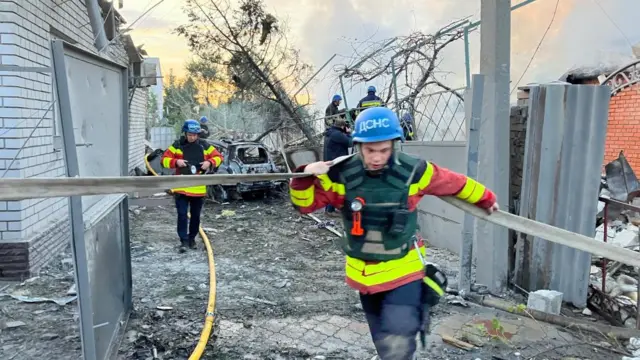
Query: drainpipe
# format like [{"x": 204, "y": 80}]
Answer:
[{"x": 97, "y": 24}]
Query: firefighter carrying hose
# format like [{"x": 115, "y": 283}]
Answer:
[
  {"x": 190, "y": 155},
  {"x": 377, "y": 191}
]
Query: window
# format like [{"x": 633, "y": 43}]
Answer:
[{"x": 253, "y": 155}]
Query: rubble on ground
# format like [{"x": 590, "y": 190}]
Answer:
[
  {"x": 280, "y": 294},
  {"x": 618, "y": 300}
]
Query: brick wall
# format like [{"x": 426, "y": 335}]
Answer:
[
  {"x": 37, "y": 229},
  {"x": 137, "y": 131},
  {"x": 518, "y": 134},
  {"x": 623, "y": 131}
]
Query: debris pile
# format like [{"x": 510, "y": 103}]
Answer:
[{"x": 613, "y": 290}]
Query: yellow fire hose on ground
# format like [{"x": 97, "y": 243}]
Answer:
[{"x": 209, "y": 315}]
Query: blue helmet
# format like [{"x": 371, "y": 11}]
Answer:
[
  {"x": 377, "y": 124},
  {"x": 406, "y": 117},
  {"x": 191, "y": 126},
  {"x": 371, "y": 89},
  {"x": 336, "y": 98},
  {"x": 203, "y": 119}
]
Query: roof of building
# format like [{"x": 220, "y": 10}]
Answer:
[{"x": 586, "y": 72}]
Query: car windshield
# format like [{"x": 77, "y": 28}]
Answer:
[{"x": 252, "y": 154}]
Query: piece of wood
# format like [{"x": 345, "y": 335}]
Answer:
[
  {"x": 457, "y": 343},
  {"x": 550, "y": 233},
  {"x": 33, "y": 188}
]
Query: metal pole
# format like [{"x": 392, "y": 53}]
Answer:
[
  {"x": 87, "y": 336},
  {"x": 493, "y": 149},
  {"x": 467, "y": 57},
  {"x": 473, "y": 118},
  {"x": 346, "y": 105},
  {"x": 314, "y": 75},
  {"x": 395, "y": 86},
  {"x": 124, "y": 209},
  {"x": 473, "y": 25}
]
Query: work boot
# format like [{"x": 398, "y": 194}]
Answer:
[
  {"x": 192, "y": 244},
  {"x": 183, "y": 246}
]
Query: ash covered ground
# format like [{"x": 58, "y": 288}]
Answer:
[{"x": 280, "y": 295}]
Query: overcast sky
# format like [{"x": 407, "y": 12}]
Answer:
[{"x": 584, "y": 33}]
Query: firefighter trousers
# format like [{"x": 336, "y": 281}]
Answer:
[
  {"x": 395, "y": 318},
  {"x": 188, "y": 228}
]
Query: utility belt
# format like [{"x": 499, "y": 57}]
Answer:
[{"x": 434, "y": 284}]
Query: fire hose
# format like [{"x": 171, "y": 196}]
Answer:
[
  {"x": 211, "y": 302},
  {"x": 32, "y": 188}
]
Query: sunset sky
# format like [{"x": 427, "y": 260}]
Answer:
[{"x": 584, "y": 33}]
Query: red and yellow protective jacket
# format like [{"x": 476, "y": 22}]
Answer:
[
  {"x": 175, "y": 153},
  {"x": 314, "y": 192}
]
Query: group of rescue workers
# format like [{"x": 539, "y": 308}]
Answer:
[{"x": 376, "y": 191}]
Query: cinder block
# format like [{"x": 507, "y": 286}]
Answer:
[{"x": 549, "y": 301}]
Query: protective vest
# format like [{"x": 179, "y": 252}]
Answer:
[
  {"x": 193, "y": 154},
  {"x": 389, "y": 227}
]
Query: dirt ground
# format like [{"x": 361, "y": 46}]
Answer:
[{"x": 280, "y": 295}]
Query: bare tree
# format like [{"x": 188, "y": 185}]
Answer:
[
  {"x": 414, "y": 57},
  {"x": 251, "y": 46}
]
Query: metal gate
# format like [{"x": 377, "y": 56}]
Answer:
[{"x": 92, "y": 97}]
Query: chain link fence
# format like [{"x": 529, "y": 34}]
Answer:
[{"x": 439, "y": 116}]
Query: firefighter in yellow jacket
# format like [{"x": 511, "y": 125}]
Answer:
[
  {"x": 377, "y": 191},
  {"x": 190, "y": 155}
]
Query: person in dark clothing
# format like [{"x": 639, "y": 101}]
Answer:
[
  {"x": 332, "y": 110},
  {"x": 204, "y": 127},
  {"x": 190, "y": 156},
  {"x": 407, "y": 126},
  {"x": 371, "y": 100},
  {"x": 337, "y": 142}
]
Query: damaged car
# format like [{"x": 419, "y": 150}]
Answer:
[{"x": 244, "y": 157}]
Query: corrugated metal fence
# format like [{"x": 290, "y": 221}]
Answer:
[{"x": 563, "y": 157}]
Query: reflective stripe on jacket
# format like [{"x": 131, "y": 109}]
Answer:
[
  {"x": 175, "y": 153},
  {"x": 312, "y": 193}
]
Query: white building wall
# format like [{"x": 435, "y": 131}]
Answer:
[{"x": 26, "y": 29}]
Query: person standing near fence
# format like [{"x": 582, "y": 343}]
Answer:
[
  {"x": 407, "y": 128},
  {"x": 204, "y": 133},
  {"x": 190, "y": 155},
  {"x": 332, "y": 111},
  {"x": 377, "y": 191}
]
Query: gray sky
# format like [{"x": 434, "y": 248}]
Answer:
[{"x": 581, "y": 34}]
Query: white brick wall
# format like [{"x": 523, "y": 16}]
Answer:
[
  {"x": 137, "y": 116},
  {"x": 25, "y": 35}
]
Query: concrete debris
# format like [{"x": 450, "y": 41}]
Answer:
[
  {"x": 49, "y": 336},
  {"x": 13, "y": 324},
  {"x": 619, "y": 234},
  {"x": 72, "y": 290},
  {"x": 456, "y": 300},
  {"x": 634, "y": 347},
  {"x": 548, "y": 301}
]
